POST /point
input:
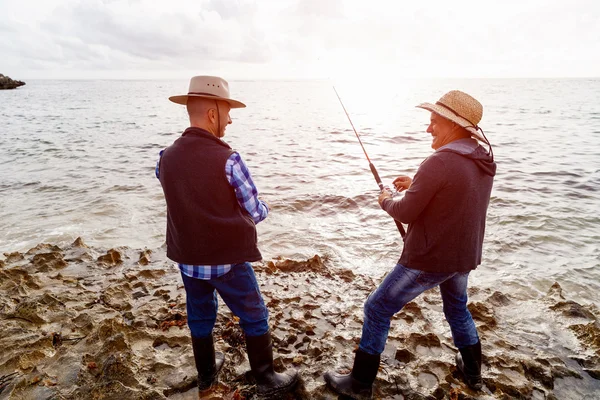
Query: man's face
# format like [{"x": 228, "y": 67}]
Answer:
[{"x": 441, "y": 129}]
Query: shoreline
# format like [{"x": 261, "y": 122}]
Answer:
[{"x": 84, "y": 322}]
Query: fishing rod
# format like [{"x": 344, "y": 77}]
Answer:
[{"x": 371, "y": 166}]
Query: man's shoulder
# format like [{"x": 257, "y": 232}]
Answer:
[
  {"x": 446, "y": 157},
  {"x": 435, "y": 160}
]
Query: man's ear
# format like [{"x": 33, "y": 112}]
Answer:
[{"x": 212, "y": 115}]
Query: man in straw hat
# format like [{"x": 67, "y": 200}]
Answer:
[
  {"x": 445, "y": 207},
  {"x": 212, "y": 212}
]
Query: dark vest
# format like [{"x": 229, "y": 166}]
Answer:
[{"x": 205, "y": 223}]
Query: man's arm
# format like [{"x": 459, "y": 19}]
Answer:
[
  {"x": 246, "y": 193},
  {"x": 428, "y": 180}
]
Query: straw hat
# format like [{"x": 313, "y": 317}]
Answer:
[
  {"x": 461, "y": 109},
  {"x": 210, "y": 87}
]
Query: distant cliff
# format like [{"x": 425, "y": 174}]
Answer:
[{"x": 7, "y": 83}]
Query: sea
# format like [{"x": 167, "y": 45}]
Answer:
[{"x": 77, "y": 159}]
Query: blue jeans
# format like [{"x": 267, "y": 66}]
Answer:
[
  {"x": 239, "y": 289},
  {"x": 404, "y": 284}
]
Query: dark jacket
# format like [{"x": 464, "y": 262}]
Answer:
[
  {"x": 205, "y": 223},
  {"x": 445, "y": 208}
]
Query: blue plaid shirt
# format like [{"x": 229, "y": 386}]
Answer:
[{"x": 239, "y": 178}]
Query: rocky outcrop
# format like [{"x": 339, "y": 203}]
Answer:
[
  {"x": 81, "y": 322},
  {"x": 7, "y": 83}
]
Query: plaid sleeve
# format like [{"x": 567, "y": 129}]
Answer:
[
  {"x": 246, "y": 193},
  {"x": 157, "y": 168}
]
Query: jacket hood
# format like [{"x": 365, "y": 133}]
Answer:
[{"x": 471, "y": 149}]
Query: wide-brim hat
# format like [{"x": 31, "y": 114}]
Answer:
[
  {"x": 461, "y": 109},
  {"x": 210, "y": 87}
]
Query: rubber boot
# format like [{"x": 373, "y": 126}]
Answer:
[
  {"x": 359, "y": 383},
  {"x": 208, "y": 363},
  {"x": 468, "y": 361},
  {"x": 268, "y": 382}
]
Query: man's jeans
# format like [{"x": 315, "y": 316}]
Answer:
[
  {"x": 404, "y": 284},
  {"x": 239, "y": 289}
]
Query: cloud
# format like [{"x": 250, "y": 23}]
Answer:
[{"x": 272, "y": 38}]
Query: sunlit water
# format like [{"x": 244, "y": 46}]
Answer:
[{"x": 77, "y": 159}]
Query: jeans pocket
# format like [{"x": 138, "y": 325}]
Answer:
[
  {"x": 229, "y": 275},
  {"x": 431, "y": 279}
]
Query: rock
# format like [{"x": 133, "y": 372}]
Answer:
[
  {"x": 555, "y": 291},
  {"x": 112, "y": 258},
  {"x": 144, "y": 257},
  {"x": 588, "y": 334},
  {"x": 7, "y": 83},
  {"x": 573, "y": 309},
  {"x": 405, "y": 356},
  {"x": 498, "y": 299},
  {"x": 481, "y": 312},
  {"x": 43, "y": 248},
  {"x": 314, "y": 264},
  {"x": 78, "y": 243},
  {"x": 13, "y": 257},
  {"x": 46, "y": 261}
]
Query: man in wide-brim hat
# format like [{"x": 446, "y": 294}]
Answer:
[
  {"x": 445, "y": 207},
  {"x": 212, "y": 212}
]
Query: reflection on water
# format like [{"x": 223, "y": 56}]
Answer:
[{"x": 77, "y": 159}]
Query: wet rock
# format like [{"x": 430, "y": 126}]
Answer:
[
  {"x": 498, "y": 299},
  {"x": 594, "y": 373},
  {"x": 139, "y": 294},
  {"x": 172, "y": 342},
  {"x": 144, "y": 257},
  {"x": 30, "y": 311},
  {"x": 537, "y": 372},
  {"x": 7, "y": 83},
  {"x": 411, "y": 312},
  {"x": 84, "y": 322},
  {"x": 117, "y": 368},
  {"x": 114, "y": 390},
  {"x": 315, "y": 317},
  {"x": 18, "y": 280},
  {"x": 48, "y": 261},
  {"x": 588, "y": 334},
  {"x": 314, "y": 264},
  {"x": 79, "y": 243},
  {"x": 427, "y": 340},
  {"x": 483, "y": 313},
  {"x": 404, "y": 356},
  {"x": 555, "y": 291},
  {"x": 590, "y": 364},
  {"x": 511, "y": 383},
  {"x": 151, "y": 273},
  {"x": 112, "y": 258},
  {"x": 573, "y": 310},
  {"x": 117, "y": 297},
  {"x": 43, "y": 248},
  {"x": 346, "y": 275},
  {"x": 13, "y": 257}
]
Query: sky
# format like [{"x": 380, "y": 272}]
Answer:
[{"x": 298, "y": 39}]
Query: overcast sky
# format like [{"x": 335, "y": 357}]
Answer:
[{"x": 274, "y": 39}]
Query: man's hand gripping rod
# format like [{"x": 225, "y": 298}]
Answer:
[{"x": 371, "y": 166}]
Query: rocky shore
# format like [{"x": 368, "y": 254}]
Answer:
[
  {"x": 87, "y": 323},
  {"x": 7, "y": 83}
]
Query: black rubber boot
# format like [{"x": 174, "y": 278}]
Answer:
[
  {"x": 268, "y": 382},
  {"x": 468, "y": 361},
  {"x": 359, "y": 383},
  {"x": 208, "y": 363}
]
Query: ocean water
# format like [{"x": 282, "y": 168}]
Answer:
[{"x": 77, "y": 159}]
